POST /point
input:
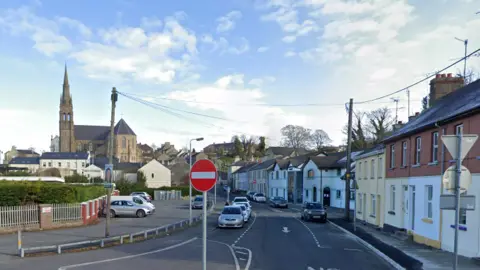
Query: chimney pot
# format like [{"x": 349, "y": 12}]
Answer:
[
  {"x": 449, "y": 75},
  {"x": 417, "y": 113},
  {"x": 437, "y": 76},
  {"x": 443, "y": 75}
]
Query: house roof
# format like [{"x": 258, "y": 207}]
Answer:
[
  {"x": 246, "y": 168},
  {"x": 326, "y": 162},
  {"x": 25, "y": 160},
  {"x": 64, "y": 155},
  {"x": 102, "y": 161},
  {"x": 145, "y": 147},
  {"x": 282, "y": 151},
  {"x": 372, "y": 151},
  {"x": 91, "y": 133},
  {"x": 122, "y": 128},
  {"x": 26, "y": 152},
  {"x": 463, "y": 101},
  {"x": 264, "y": 165}
]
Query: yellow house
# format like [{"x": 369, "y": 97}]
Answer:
[{"x": 370, "y": 176}]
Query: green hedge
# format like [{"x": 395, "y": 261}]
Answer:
[{"x": 25, "y": 192}]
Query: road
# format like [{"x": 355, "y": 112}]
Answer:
[{"x": 273, "y": 239}]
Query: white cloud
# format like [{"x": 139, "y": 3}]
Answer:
[
  {"x": 222, "y": 45},
  {"x": 151, "y": 23},
  {"x": 259, "y": 82},
  {"x": 82, "y": 28},
  {"x": 227, "y": 23},
  {"x": 262, "y": 49},
  {"x": 290, "y": 54}
]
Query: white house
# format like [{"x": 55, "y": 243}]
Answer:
[
  {"x": 92, "y": 171},
  {"x": 258, "y": 177},
  {"x": 231, "y": 172},
  {"x": 278, "y": 180},
  {"x": 240, "y": 177},
  {"x": 156, "y": 174},
  {"x": 32, "y": 164},
  {"x": 66, "y": 163},
  {"x": 322, "y": 177}
]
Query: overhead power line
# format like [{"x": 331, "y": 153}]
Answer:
[{"x": 420, "y": 81}]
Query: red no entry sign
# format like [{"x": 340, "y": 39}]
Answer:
[{"x": 203, "y": 175}]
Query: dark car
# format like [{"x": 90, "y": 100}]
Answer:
[
  {"x": 314, "y": 211},
  {"x": 278, "y": 202}
]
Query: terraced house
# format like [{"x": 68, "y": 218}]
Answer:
[{"x": 416, "y": 159}]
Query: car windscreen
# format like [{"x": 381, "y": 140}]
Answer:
[
  {"x": 240, "y": 200},
  {"x": 137, "y": 200},
  {"x": 232, "y": 211},
  {"x": 260, "y": 195},
  {"x": 198, "y": 199},
  {"x": 314, "y": 206},
  {"x": 243, "y": 207}
]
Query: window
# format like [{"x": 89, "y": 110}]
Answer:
[
  {"x": 372, "y": 169},
  {"x": 276, "y": 175},
  {"x": 64, "y": 116},
  {"x": 44, "y": 164},
  {"x": 392, "y": 156},
  {"x": 306, "y": 193},
  {"x": 49, "y": 164},
  {"x": 153, "y": 175},
  {"x": 352, "y": 195},
  {"x": 124, "y": 142},
  {"x": 435, "y": 147},
  {"x": 380, "y": 167},
  {"x": 404, "y": 154},
  {"x": 373, "y": 205},
  {"x": 359, "y": 170},
  {"x": 79, "y": 147},
  {"x": 68, "y": 117},
  {"x": 310, "y": 173},
  {"x": 459, "y": 129},
  {"x": 90, "y": 146},
  {"x": 418, "y": 148},
  {"x": 392, "y": 198},
  {"x": 429, "y": 203},
  {"x": 339, "y": 172},
  {"x": 360, "y": 202},
  {"x": 59, "y": 164},
  {"x": 68, "y": 164},
  {"x": 339, "y": 194}
]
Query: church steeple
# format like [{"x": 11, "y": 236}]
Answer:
[{"x": 66, "y": 97}]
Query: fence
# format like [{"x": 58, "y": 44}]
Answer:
[
  {"x": 67, "y": 212},
  {"x": 162, "y": 195},
  {"x": 16, "y": 216}
]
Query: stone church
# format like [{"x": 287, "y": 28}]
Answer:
[{"x": 93, "y": 139}]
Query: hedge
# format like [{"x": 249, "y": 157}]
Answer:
[{"x": 25, "y": 192}]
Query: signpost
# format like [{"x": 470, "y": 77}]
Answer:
[
  {"x": 203, "y": 176},
  {"x": 458, "y": 146}
]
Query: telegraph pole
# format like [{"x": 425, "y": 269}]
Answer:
[
  {"x": 113, "y": 98},
  {"x": 408, "y": 96},
  {"x": 349, "y": 160},
  {"x": 396, "y": 100}
]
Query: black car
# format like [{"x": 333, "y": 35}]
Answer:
[
  {"x": 314, "y": 211},
  {"x": 278, "y": 202}
]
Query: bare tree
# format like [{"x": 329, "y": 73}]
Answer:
[
  {"x": 470, "y": 76},
  {"x": 296, "y": 137},
  {"x": 319, "y": 139},
  {"x": 380, "y": 122}
]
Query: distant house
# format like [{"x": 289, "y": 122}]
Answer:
[
  {"x": 222, "y": 148},
  {"x": 276, "y": 152},
  {"x": 232, "y": 169},
  {"x": 258, "y": 176},
  {"x": 93, "y": 171},
  {"x": 156, "y": 175},
  {"x": 180, "y": 173},
  {"x": 240, "y": 177},
  {"x": 14, "y": 152},
  {"x": 67, "y": 163},
  {"x": 31, "y": 164},
  {"x": 145, "y": 153}
]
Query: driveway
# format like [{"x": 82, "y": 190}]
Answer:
[{"x": 167, "y": 212}]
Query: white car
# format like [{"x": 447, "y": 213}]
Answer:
[
  {"x": 245, "y": 212},
  {"x": 242, "y": 200},
  {"x": 259, "y": 197},
  {"x": 247, "y": 205}
]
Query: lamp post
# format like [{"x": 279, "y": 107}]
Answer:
[{"x": 190, "y": 182}]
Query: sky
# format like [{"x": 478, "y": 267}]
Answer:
[{"x": 215, "y": 69}]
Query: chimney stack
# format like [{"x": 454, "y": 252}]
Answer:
[
  {"x": 398, "y": 126},
  {"x": 442, "y": 85}
]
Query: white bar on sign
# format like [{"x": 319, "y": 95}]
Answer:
[{"x": 203, "y": 175}]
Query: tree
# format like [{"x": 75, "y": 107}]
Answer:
[
  {"x": 470, "y": 76},
  {"x": 319, "y": 139},
  {"x": 380, "y": 122},
  {"x": 359, "y": 134},
  {"x": 248, "y": 144},
  {"x": 261, "y": 147},
  {"x": 154, "y": 146},
  {"x": 141, "y": 179},
  {"x": 238, "y": 146},
  {"x": 424, "y": 103},
  {"x": 296, "y": 137}
]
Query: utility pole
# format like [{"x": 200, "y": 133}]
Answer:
[
  {"x": 396, "y": 100},
  {"x": 113, "y": 98},
  {"x": 408, "y": 97},
  {"x": 349, "y": 160}
]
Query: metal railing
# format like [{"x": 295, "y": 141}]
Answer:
[
  {"x": 67, "y": 212},
  {"x": 161, "y": 195},
  {"x": 16, "y": 216}
]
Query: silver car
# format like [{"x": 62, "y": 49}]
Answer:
[
  {"x": 231, "y": 217},
  {"x": 129, "y": 208},
  {"x": 197, "y": 202}
]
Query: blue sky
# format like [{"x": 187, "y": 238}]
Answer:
[{"x": 227, "y": 56}]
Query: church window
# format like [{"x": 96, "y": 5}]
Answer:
[
  {"x": 124, "y": 142},
  {"x": 68, "y": 118},
  {"x": 79, "y": 147},
  {"x": 64, "y": 117}
]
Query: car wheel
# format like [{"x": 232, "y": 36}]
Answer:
[
  {"x": 301, "y": 217},
  {"x": 286, "y": 206},
  {"x": 141, "y": 214},
  {"x": 112, "y": 214}
]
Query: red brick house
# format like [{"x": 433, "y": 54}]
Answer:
[{"x": 416, "y": 160}]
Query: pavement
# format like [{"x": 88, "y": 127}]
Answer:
[
  {"x": 272, "y": 239},
  {"x": 167, "y": 212}
]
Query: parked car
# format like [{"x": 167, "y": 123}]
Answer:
[
  {"x": 136, "y": 199},
  {"x": 241, "y": 199},
  {"x": 278, "y": 202},
  {"x": 250, "y": 195},
  {"x": 259, "y": 197},
  {"x": 245, "y": 212},
  {"x": 232, "y": 217},
  {"x": 197, "y": 202},
  {"x": 126, "y": 207},
  {"x": 314, "y": 211},
  {"x": 145, "y": 195},
  {"x": 247, "y": 206}
]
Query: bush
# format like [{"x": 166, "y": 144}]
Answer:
[
  {"x": 25, "y": 192},
  {"x": 76, "y": 178}
]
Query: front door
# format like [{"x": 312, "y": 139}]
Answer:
[
  {"x": 405, "y": 207},
  {"x": 314, "y": 194},
  {"x": 326, "y": 196}
]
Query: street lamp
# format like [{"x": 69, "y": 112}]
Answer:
[
  {"x": 190, "y": 188},
  {"x": 465, "y": 42}
]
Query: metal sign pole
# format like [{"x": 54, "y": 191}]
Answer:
[
  {"x": 355, "y": 206},
  {"x": 204, "y": 260},
  {"x": 457, "y": 198}
]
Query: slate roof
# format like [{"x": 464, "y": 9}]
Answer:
[
  {"x": 64, "y": 155},
  {"x": 463, "y": 101},
  {"x": 25, "y": 160},
  {"x": 27, "y": 152},
  {"x": 102, "y": 161},
  {"x": 240, "y": 163},
  {"x": 264, "y": 165},
  {"x": 283, "y": 151},
  {"x": 100, "y": 133},
  {"x": 326, "y": 162},
  {"x": 371, "y": 151},
  {"x": 246, "y": 168}
]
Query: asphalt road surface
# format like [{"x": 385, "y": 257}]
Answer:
[{"x": 273, "y": 239}]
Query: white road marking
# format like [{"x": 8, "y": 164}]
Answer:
[
  {"x": 313, "y": 235},
  {"x": 127, "y": 257},
  {"x": 285, "y": 230},
  {"x": 243, "y": 259},
  {"x": 240, "y": 252},
  {"x": 352, "y": 249},
  {"x": 237, "y": 265},
  {"x": 249, "y": 261},
  {"x": 249, "y": 227},
  {"x": 203, "y": 175}
]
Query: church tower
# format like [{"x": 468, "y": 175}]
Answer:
[{"x": 67, "y": 138}]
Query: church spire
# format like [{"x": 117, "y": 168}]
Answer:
[{"x": 66, "y": 97}]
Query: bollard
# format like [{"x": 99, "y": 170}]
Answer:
[
  {"x": 59, "y": 250},
  {"x": 145, "y": 235},
  {"x": 102, "y": 243},
  {"x": 19, "y": 240},
  {"x": 121, "y": 240},
  {"x": 156, "y": 231},
  {"x": 22, "y": 253},
  {"x": 131, "y": 238}
]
